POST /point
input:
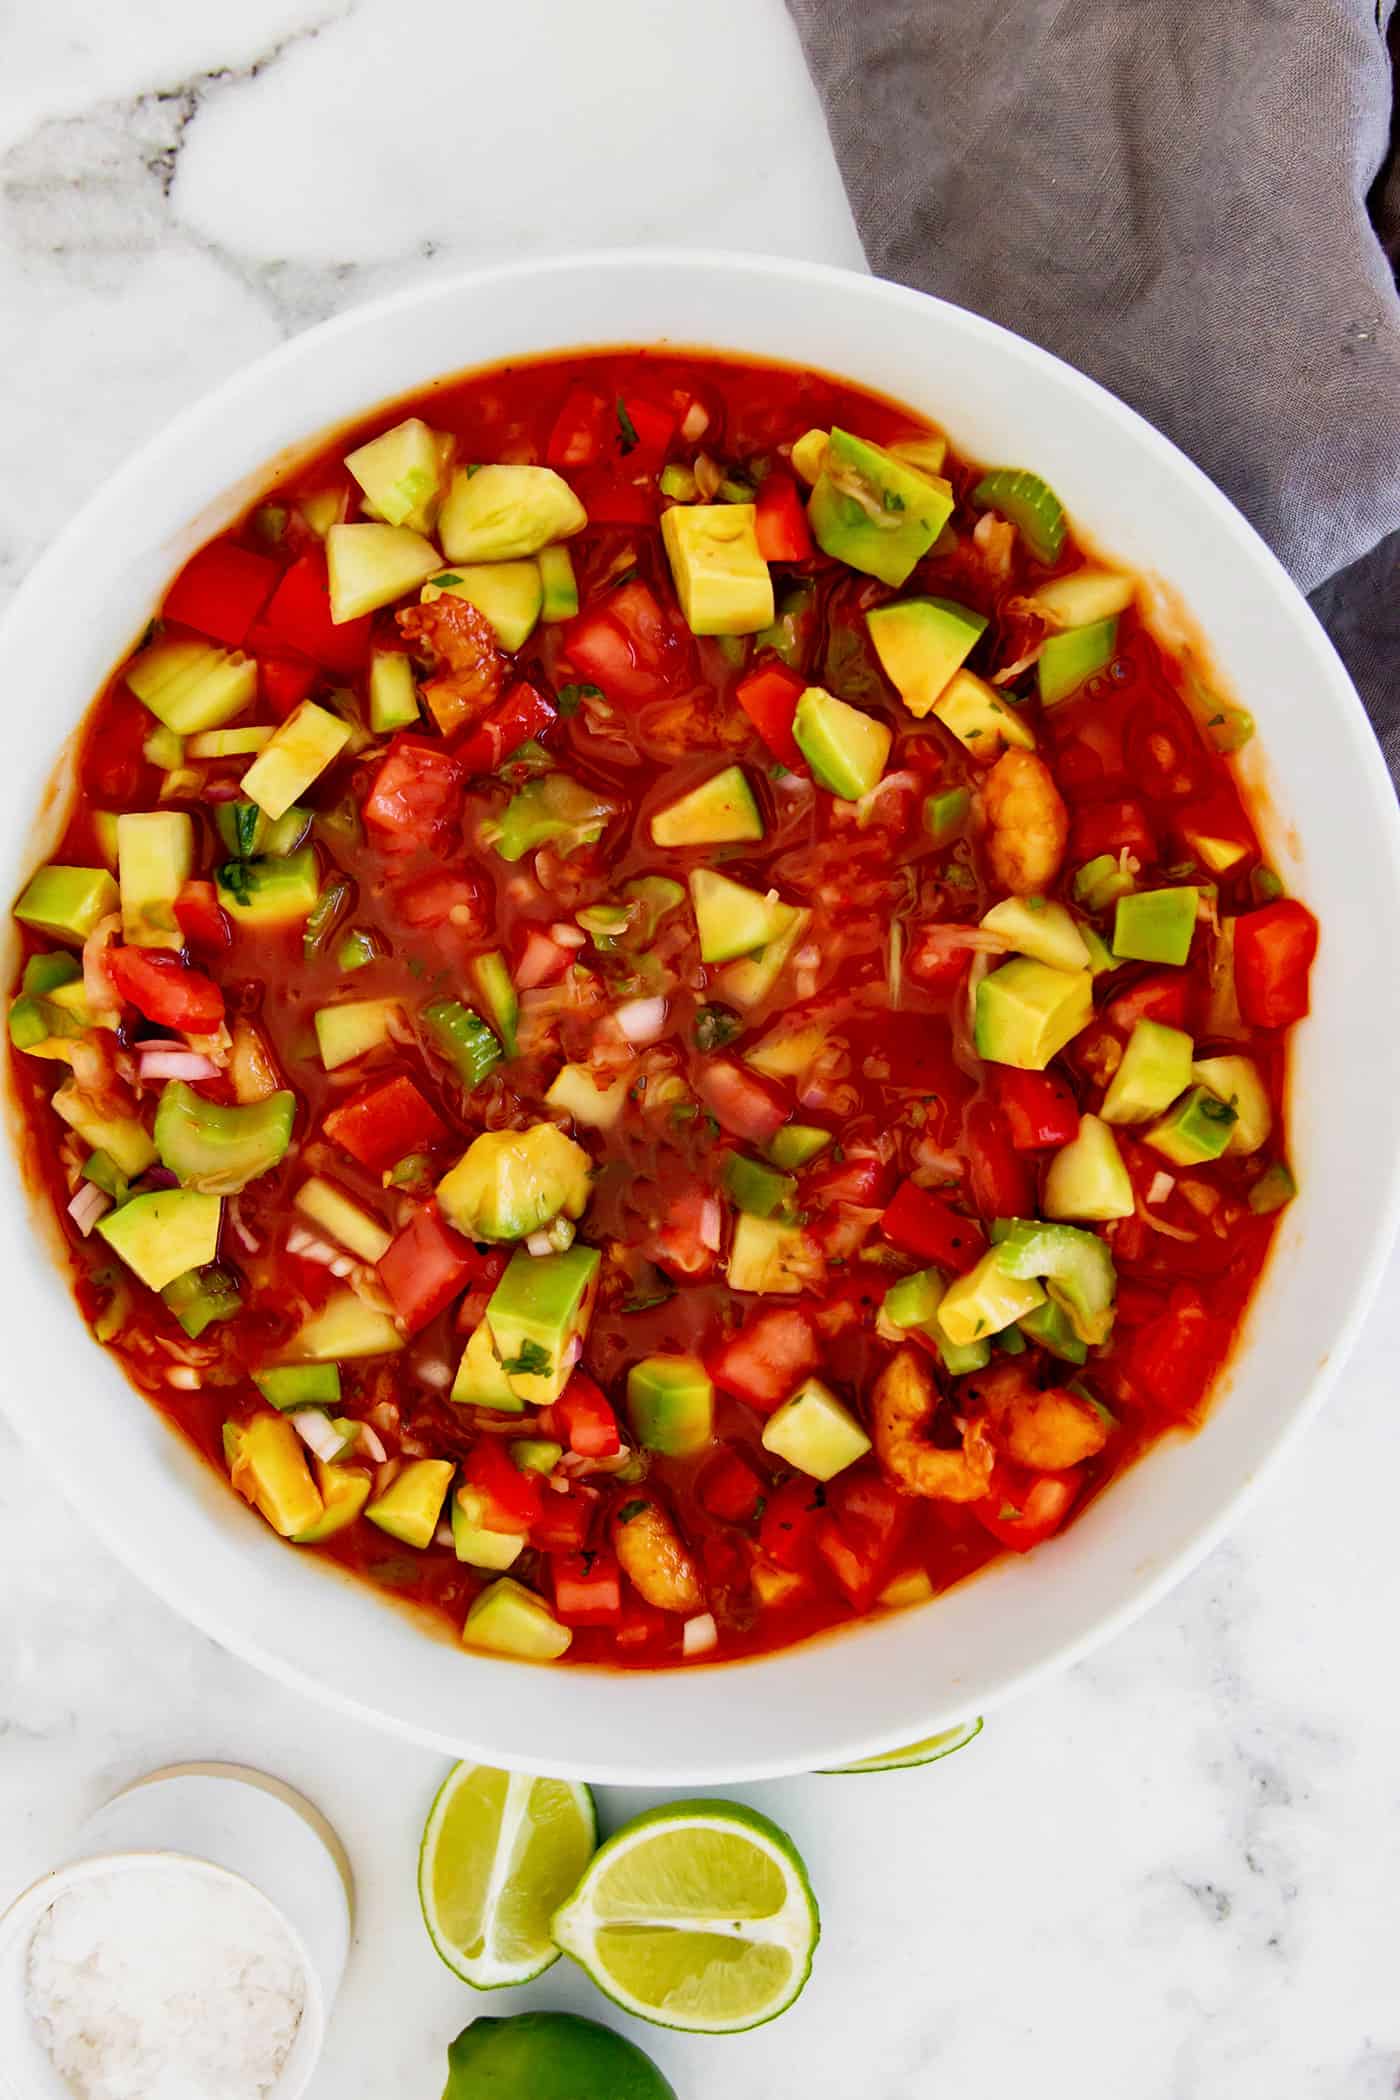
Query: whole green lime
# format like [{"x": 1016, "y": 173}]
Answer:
[{"x": 549, "y": 2056}]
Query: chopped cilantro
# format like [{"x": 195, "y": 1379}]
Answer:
[
  {"x": 632, "y": 1509},
  {"x": 234, "y": 877},
  {"x": 532, "y": 1362},
  {"x": 444, "y": 581},
  {"x": 570, "y": 698},
  {"x": 892, "y": 499},
  {"x": 626, "y": 427},
  {"x": 715, "y": 1026}
]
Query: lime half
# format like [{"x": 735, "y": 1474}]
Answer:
[
  {"x": 698, "y": 1915},
  {"x": 501, "y": 1850},
  {"x": 549, "y": 2056},
  {"x": 927, "y": 1752}
]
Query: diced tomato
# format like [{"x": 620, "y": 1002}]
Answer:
[
  {"x": 787, "y": 1530},
  {"x": 742, "y": 1102},
  {"x": 577, "y": 437},
  {"x": 522, "y": 713},
  {"x": 200, "y": 916},
  {"x": 462, "y": 901},
  {"x": 587, "y": 1588},
  {"x": 626, "y": 430},
  {"x": 384, "y": 1124},
  {"x": 1107, "y": 827},
  {"x": 641, "y": 1625},
  {"x": 1020, "y": 1509},
  {"x": 415, "y": 797},
  {"x": 540, "y": 960},
  {"x": 1039, "y": 1109},
  {"x": 161, "y": 987},
  {"x": 783, "y": 533},
  {"x": 564, "y": 1521},
  {"x": 299, "y": 619},
  {"x": 220, "y": 591},
  {"x": 1163, "y": 995},
  {"x": 918, "y": 1049},
  {"x": 861, "y": 1532},
  {"x": 1000, "y": 1182},
  {"x": 610, "y": 499},
  {"x": 769, "y": 698},
  {"x": 1174, "y": 1357},
  {"x": 925, "y": 1225},
  {"x": 730, "y": 1489},
  {"x": 425, "y": 1267},
  {"x": 938, "y": 963},
  {"x": 862, "y": 1181},
  {"x": 626, "y": 645},
  {"x": 284, "y": 683},
  {"x": 585, "y": 1415},
  {"x": 1274, "y": 950},
  {"x": 687, "y": 1243},
  {"x": 767, "y": 1359},
  {"x": 642, "y": 432},
  {"x": 512, "y": 1498},
  {"x": 115, "y": 763}
]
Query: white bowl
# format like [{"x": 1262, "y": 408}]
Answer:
[{"x": 1329, "y": 817}]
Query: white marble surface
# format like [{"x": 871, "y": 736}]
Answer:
[{"x": 1171, "y": 1874}]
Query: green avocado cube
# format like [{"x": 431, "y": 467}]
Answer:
[
  {"x": 1156, "y": 925},
  {"x": 1198, "y": 1129},
  {"x": 876, "y": 513},
  {"x": 755, "y": 1188},
  {"x": 510, "y": 1183},
  {"x": 480, "y": 1381},
  {"x": 796, "y": 1144},
  {"x": 221, "y": 1148},
  {"x": 1087, "y": 1177},
  {"x": 1051, "y": 1326},
  {"x": 371, "y": 565},
  {"x": 1101, "y": 882},
  {"x": 1067, "y": 661},
  {"x": 508, "y": 1619},
  {"x": 534, "y": 1454},
  {"x": 815, "y": 1433},
  {"x": 1037, "y": 927},
  {"x": 126, "y": 1141},
  {"x": 393, "y": 692},
  {"x": 671, "y": 1403},
  {"x": 345, "y": 1327},
  {"x": 1027, "y": 1011},
  {"x": 559, "y": 584},
  {"x": 403, "y": 473},
  {"x": 302, "y": 747},
  {"x": 354, "y": 1027},
  {"x": 1154, "y": 1069},
  {"x": 721, "y": 578},
  {"x": 410, "y": 1506},
  {"x": 202, "y": 1296},
  {"x": 66, "y": 903},
  {"x": 913, "y": 1302},
  {"x": 473, "y": 1540},
  {"x": 732, "y": 919},
  {"x": 1237, "y": 1081},
  {"x": 344, "y": 1491},
  {"x": 161, "y": 1235},
  {"x": 720, "y": 812},
  {"x": 982, "y": 717},
  {"x": 290, "y": 1386},
  {"x": 921, "y": 642},
  {"x": 510, "y": 594},
  {"x": 845, "y": 748},
  {"x": 769, "y": 1257},
  {"x": 270, "y": 893},
  {"x": 978, "y": 1305},
  {"x": 155, "y": 857},
  {"x": 269, "y": 1467},
  {"x": 752, "y": 979},
  {"x": 505, "y": 513},
  {"x": 539, "y": 1309}
]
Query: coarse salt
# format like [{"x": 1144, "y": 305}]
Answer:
[{"x": 164, "y": 1982}]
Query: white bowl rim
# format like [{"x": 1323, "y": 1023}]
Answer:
[{"x": 1382, "y": 822}]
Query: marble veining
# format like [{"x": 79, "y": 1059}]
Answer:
[{"x": 1171, "y": 1873}]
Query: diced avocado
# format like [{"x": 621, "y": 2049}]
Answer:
[
  {"x": 202, "y": 1296},
  {"x": 474, "y": 1542},
  {"x": 1051, "y": 1326},
  {"x": 877, "y": 513},
  {"x": 534, "y": 1454},
  {"x": 982, "y": 719},
  {"x": 510, "y": 1183},
  {"x": 1217, "y": 854},
  {"x": 1076, "y": 1268},
  {"x": 1087, "y": 1177},
  {"x": 50, "y": 1026},
  {"x": 104, "y": 828},
  {"x": 574, "y": 1092},
  {"x": 721, "y": 579},
  {"x": 508, "y": 1619},
  {"x": 755, "y": 1188},
  {"x": 190, "y": 685},
  {"x": 290, "y": 1386},
  {"x": 786, "y": 1052},
  {"x": 221, "y": 1149},
  {"x": 1154, "y": 1069},
  {"x": 322, "y": 509},
  {"x": 345, "y": 1327},
  {"x": 809, "y": 454},
  {"x": 480, "y": 1381},
  {"x": 1197, "y": 1129},
  {"x": 269, "y": 1468},
  {"x": 1236, "y": 1081},
  {"x": 926, "y": 453},
  {"x": 403, "y": 473},
  {"x": 510, "y": 594},
  {"x": 1156, "y": 925},
  {"x": 122, "y": 1137},
  {"x": 305, "y": 744},
  {"x": 1029, "y": 504},
  {"x": 226, "y": 743},
  {"x": 344, "y": 1491},
  {"x": 269, "y": 893},
  {"x": 66, "y": 903},
  {"x": 343, "y": 1220},
  {"x": 164, "y": 749},
  {"x": 552, "y": 809},
  {"x": 560, "y": 587},
  {"x": 372, "y": 565},
  {"x": 540, "y": 1308},
  {"x": 732, "y": 919},
  {"x": 493, "y": 981},
  {"x": 976, "y": 1306},
  {"x": 1036, "y": 927},
  {"x": 1027, "y": 1012},
  {"x": 796, "y": 1144},
  {"x": 751, "y": 981},
  {"x": 845, "y": 748},
  {"x": 672, "y": 1405},
  {"x": 946, "y": 816},
  {"x": 815, "y": 1433},
  {"x": 1085, "y": 596},
  {"x": 768, "y": 1257},
  {"x": 502, "y": 513},
  {"x": 913, "y": 1302},
  {"x": 410, "y": 1506},
  {"x": 463, "y": 1038},
  {"x": 48, "y": 973},
  {"x": 912, "y": 1586},
  {"x": 161, "y": 1235},
  {"x": 1273, "y": 1190},
  {"x": 393, "y": 692},
  {"x": 354, "y": 1028},
  {"x": 1101, "y": 882},
  {"x": 921, "y": 642},
  {"x": 1068, "y": 660},
  {"x": 1101, "y": 956},
  {"x": 720, "y": 812}
]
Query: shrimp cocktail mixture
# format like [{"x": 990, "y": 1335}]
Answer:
[{"x": 659, "y": 1023}]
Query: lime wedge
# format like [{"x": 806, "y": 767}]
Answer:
[
  {"x": 499, "y": 1852},
  {"x": 698, "y": 1915},
  {"x": 927, "y": 1752},
  {"x": 549, "y": 2056}
]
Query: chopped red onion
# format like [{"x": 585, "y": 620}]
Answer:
[
  {"x": 88, "y": 1206},
  {"x": 641, "y": 1020},
  {"x": 176, "y": 1064},
  {"x": 318, "y": 1433},
  {"x": 699, "y": 1634}
]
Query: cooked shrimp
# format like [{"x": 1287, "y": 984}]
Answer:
[
  {"x": 1027, "y": 823},
  {"x": 903, "y": 1406},
  {"x": 1047, "y": 1431},
  {"x": 652, "y": 1557},
  {"x": 462, "y": 644}
]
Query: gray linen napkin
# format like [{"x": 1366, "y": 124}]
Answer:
[{"x": 1190, "y": 200}]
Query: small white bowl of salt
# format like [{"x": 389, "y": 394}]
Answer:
[{"x": 189, "y": 1948}]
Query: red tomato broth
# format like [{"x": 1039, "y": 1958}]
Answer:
[{"x": 671, "y": 718}]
